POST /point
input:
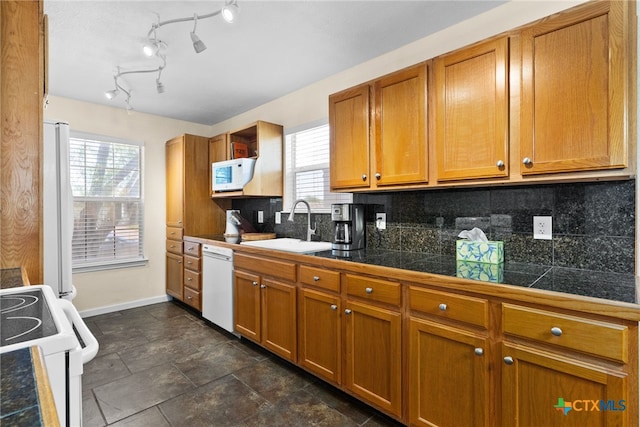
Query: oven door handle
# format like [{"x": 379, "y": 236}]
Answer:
[{"x": 92, "y": 346}]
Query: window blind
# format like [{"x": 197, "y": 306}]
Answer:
[
  {"x": 307, "y": 170},
  {"x": 106, "y": 181}
]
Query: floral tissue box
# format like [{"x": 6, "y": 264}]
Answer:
[
  {"x": 487, "y": 252},
  {"x": 493, "y": 273}
]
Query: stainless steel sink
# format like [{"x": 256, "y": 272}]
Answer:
[{"x": 290, "y": 245}]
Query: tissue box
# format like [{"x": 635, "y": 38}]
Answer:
[
  {"x": 480, "y": 271},
  {"x": 487, "y": 252}
]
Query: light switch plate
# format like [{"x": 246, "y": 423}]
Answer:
[
  {"x": 542, "y": 227},
  {"x": 278, "y": 217},
  {"x": 260, "y": 217}
]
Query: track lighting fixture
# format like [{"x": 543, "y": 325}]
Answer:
[
  {"x": 156, "y": 47},
  {"x": 198, "y": 45}
]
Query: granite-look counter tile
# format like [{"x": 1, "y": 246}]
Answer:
[
  {"x": 615, "y": 254},
  {"x": 19, "y": 405},
  {"x": 611, "y": 286},
  {"x": 11, "y": 278}
]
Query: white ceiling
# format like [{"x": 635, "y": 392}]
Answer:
[{"x": 275, "y": 47}]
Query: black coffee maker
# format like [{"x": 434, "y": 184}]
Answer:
[{"x": 349, "y": 230}]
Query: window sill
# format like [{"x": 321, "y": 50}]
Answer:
[{"x": 86, "y": 268}]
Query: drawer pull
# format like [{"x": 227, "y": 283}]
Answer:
[
  {"x": 189, "y": 279},
  {"x": 263, "y": 286},
  {"x": 316, "y": 278},
  {"x": 254, "y": 283},
  {"x": 479, "y": 351},
  {"x": 180, "y": 262},
  {"x": 334, "y": 307},
  {"x": 172, "y": 246},
  {"x": 508, "y": 360},
  {"x": 189, "y": 297},
  {"x": 556, "y": 331},
  {"x": 368, "y": 290},
  {"x": 347, "y": 311},
  {"x": 443, "y": 307}
]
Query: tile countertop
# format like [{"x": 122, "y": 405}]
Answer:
[
  {"x": 596, "y": 284},
  {"x": 26, "y": 396}
]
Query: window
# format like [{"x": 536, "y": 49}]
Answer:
[
  {"x": 108, "y": 208},
  {"x": 307, "y": 170}
]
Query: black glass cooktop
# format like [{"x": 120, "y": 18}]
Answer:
[{"x": 24, "y": 316}]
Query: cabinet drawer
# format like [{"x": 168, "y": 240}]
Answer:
[
  {"x": 192, "y": 263},
  {"x": 192, "y": 298},
  {"x": 450, "y": 306},
  {"x": 603, "y": 339},
  {"x": 267, "y": 266},
  {"x": 373, "y": 289},
  {"x": 174, "y": 247},
  {"x": 191, "y": 279},
  {"x": 320, "y": 278},
  {"x": 174, "y": 233},
  {"x": 192, "y": 249}
]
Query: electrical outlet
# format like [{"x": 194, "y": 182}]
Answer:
[
  {"x": 260, "y": 217},
  {"x": 278, "y": 217},
  {"x": 381, "y": 221},
  {"x": 542, "y": 227}
]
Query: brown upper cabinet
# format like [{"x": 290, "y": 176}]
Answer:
[
  {"x": 263, "y": 142},
  {"x": 554, "y": 100},
  {"x": 574, "y": 90},
  {"x": 380, "y": 144},
  {"x": 472, "y": 112}
]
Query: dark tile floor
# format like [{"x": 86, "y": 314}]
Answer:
[{"x": 162, "y": 365}]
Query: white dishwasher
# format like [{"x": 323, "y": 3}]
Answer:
[{"x": 217, "y": 286}]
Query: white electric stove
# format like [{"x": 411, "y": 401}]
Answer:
[{"x": 33, "y": 315}]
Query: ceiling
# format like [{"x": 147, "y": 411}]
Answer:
[{"x": 275, "y": 48}]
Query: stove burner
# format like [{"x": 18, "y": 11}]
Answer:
[{"x": 24, "y": 316}]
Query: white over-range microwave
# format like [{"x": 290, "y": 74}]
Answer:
[{"x": 231, "y": 175}]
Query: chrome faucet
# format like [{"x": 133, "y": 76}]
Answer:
[{"x": 310, "y": 231}]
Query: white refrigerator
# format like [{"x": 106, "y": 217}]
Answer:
[{"x": 57, "y": 210}]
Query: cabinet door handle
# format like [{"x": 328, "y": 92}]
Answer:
[
  {"x": 378, "y": 176},
  {"x": 316, "y": 278},
  {"x": 179, "y": 221},
  {"x": 368, "y": 290},
  {"x": 499, "y": 163},
  {"x": 263, "y": 286},
  {"x": 254, "y": 283},
  {"x": 189, "y": 279},
  {"x": 334, "y": 307},
  {"x": 478, "y": 351},
  {"x": 189, "y": 297},
  {"x": 526, "y": 161},
  {"x": 443, "y": 307},
  {"x": 364, "y": 177},
  {"x": 189, "y": 262},
  {"x": 556, "y": 331},
  {"x": 508, "y": 360},
  {"x": 180, "y": 262},
  {"x": 347, "y": 311}
]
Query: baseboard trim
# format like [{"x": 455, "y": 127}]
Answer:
[{"x": 124, "y": 306}]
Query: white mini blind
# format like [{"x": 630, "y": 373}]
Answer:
[
  {"x": 106, "y": 181},
  {"x": 307, "y": 170}
]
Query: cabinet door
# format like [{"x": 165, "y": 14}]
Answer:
[
  {"x": 472, "y": 108},
  {"x": 219, "y": 148},
  {"x": 349, "y": 138},
  {"x": 446, "y": 362},
  {"x": 319, "y": 344},
  {"x": 174, "y": 151},
  {"x": 542, "y": 389},
  {"x": 373, "y": 355},
  {"x": 246, "y": 304},
  {"x": 174, "y": 275},
  {"x": 573, "y": 111},
  {"x": 279, "y": 318},
  {"x": 400, "y": 133}
]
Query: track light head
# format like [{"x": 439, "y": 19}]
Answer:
[
  {"x": 110, "y": 94},
  {"x": 159, "y": 86},
  {"x": 198, "y": 45},
  {"x": 230, "y": 11}
]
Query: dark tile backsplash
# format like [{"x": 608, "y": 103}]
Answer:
[{"x": 593, "y": 223}]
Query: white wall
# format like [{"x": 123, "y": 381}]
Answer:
[
  {"x": 97, "y": 291},
  {"x": 108, "y": 290}
]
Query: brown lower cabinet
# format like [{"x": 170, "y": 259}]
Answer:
[{"x": 430, "y": 356}]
